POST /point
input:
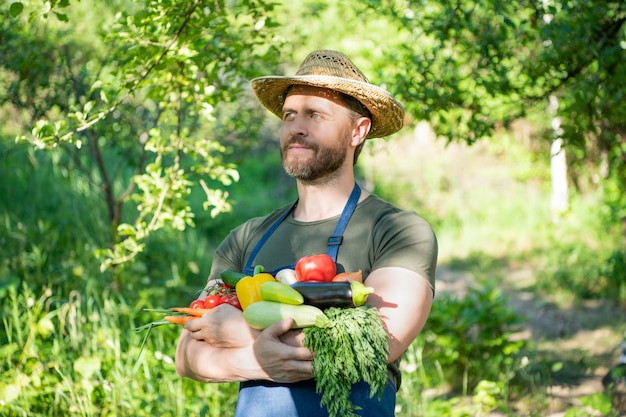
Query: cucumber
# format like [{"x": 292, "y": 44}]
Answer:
[
  {"x": 262, "y": 314},
  {"x": 281, "y": 293},
  {"x": 231, "y": 278}
]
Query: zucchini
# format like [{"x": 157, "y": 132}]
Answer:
[
  {"x": 333, "y": 294},
  {"x": 262, "y": 314},
  {"x": 231, "y": 278},
  {"x": 281, "y": 293}
]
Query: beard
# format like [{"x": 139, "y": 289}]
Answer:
[{"x": 325, "y": 160}]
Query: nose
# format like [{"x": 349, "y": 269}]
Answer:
[{"x": 296, "y": 126}]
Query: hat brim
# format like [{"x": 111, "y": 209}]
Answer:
[{"x": 387, "y": 113}]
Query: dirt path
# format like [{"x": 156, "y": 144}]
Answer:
[{"x": 584, "y": 338}]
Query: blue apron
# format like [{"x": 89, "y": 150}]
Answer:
[{"x": 269, "y": 399}]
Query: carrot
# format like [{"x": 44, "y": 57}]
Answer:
[
  {"x": 196, "y": 312},
  {"x": 349, "y": 276},
  {"x": 179, "y": 319}
]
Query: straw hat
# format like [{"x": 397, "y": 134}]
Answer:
[{"x": 335, "y": 71}]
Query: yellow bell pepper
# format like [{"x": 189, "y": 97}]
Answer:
[{"x": 249, "y": 288}]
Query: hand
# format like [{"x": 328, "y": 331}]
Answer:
[
  {"x": 281, "y": 361},
  {"x": 224, "y": 326},
  {"x": 293, "y": 338},
  {"x": 221, "y": 347}
]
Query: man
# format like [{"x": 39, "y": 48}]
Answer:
[{"x": 328, "y": 110}]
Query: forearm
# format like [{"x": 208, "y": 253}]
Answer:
[
  {"x": 400, "y": 336},
  {"x": 201, "y": 361},
  {"x": 403, "y": 299},
  {"x": 267, "y": 357}
]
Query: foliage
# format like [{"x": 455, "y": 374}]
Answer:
[
  {"x": 478, "y": 65},
  {"x": 78, "y": 356},
  {"x": 51, "y": 222},
  {"x": 575, "y": 270},
  {"x": 498, "y": 59},
  {"x": 584, "y": 262},
  {"x": 591, "y": 405},
  {"x": 352, "y": 348},
  {"x": 263, "y": 187},
  {"x": 151, "y": 100},
  {"x": 470, "y": 338}
]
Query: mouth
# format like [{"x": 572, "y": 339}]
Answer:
[{"x": 298, "y": 145}]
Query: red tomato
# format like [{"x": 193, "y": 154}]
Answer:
[
  {"x": 197, "y": 304},
  {"x": 232, "y": 299},
  {"x": 212, "y": 300},
  {"x": 316, "y": 268}
]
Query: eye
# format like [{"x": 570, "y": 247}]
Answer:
[
  {"x": 288, "y": 115},
  {"x": 316, "y": 116}
]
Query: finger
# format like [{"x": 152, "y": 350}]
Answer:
[
  {"x": 296, "y": 370},
  {"x": 279, "y": 328},
  {"x": 193, "y": 325},
  {"x": 302, "y": 354}
]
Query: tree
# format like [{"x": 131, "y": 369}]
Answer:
[
  {"x": 138, "y": 111},
  {"x": 470, "y": 67}
]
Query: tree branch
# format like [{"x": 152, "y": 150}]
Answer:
[{"x": 139, "y": 81}]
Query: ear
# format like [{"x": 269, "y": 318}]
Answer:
[{"x": 362, "y": 127}]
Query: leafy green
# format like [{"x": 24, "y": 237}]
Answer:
[
  {"x": 16, "y": 8},
  {"x": 353, "y": 347}
]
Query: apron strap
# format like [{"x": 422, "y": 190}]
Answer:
[
  {"x": 334, "y": 241},
  {"x": 337, "y": 238},
  {"x": 249, "y": 268}
]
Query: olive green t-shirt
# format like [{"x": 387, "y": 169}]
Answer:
[{"x": 378, "y": 235}]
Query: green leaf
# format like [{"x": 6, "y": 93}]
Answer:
[
  {"x": 16, "y": 9},
  {"x": 352, "y": 347},
  {"x": 61, "y": 16}
]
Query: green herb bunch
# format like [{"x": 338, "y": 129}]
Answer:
[{"x": 353, "y": 347}]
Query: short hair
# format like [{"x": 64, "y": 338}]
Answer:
[{"x": 357, "y": 109}]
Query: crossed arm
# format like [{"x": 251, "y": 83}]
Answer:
[{"x": 221, "y": 347}]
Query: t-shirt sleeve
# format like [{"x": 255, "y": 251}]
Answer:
[
  {"x": 229, "y": 254},
  {"x": 406, "y": 240}
]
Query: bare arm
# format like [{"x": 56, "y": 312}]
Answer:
[
  {"x": 220, "y": 347},
  {"x": 403, "y": 299},
  {"x": 203, "y": 362}
]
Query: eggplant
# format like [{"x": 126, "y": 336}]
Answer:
[{"x": 333, "y": 294}]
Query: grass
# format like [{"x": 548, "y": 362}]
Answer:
[
  {"x": 69, "y": 347},
  {"x": 83, "y": 358}
]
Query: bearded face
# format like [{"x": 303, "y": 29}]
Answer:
[
  {"x": 316, "y": 134},
  {"x": 321, "y": 162}
]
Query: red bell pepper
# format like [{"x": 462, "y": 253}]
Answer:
[{"x": 316, "y": 268}]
